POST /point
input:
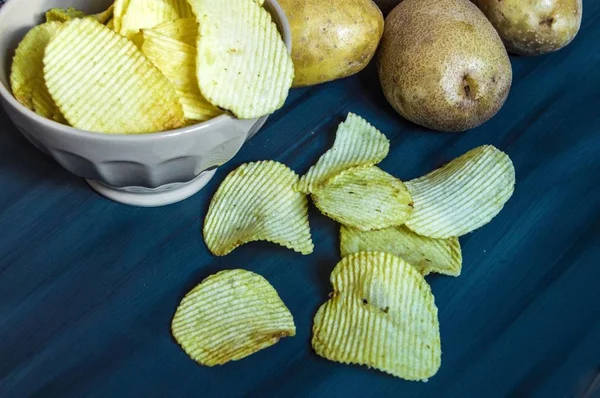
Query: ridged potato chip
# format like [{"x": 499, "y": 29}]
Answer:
[
  {"x": 243, "y": 64},
  {"x": 357, "y": 143},
  {"x": 144, "y": 14},
  {"x": 381, "y": 314},
  {"x": 427, "y": 255},
  {"x": 256, "y": 201},
  {"x": 101, "y": 82},
  {"x": 229, "y": 316},
  {"x": 120, "y": 7},
  {"x": 183, "y": 29},
  {"x": 64, "y": 15},
  {"x": 177, "y": 61},
  {"x": 463, "y": 195},
  {"x": 27, "y": 72},
  {"x": 364, "y": 197}
]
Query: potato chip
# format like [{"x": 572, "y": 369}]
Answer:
[
  {"x": 101, "y": 82},
  {"x": 243, "y": 64},
  {"x": 427, "y": 255},
  {"x": 144, "y": 14},
  {"x": 27, "y": 73},
  {"x": 257, "y": 202},
  {"x": 120, "y": 7},
  {"x": 364, "y": 197},
  {"x": 357, "y": 143},
  {"x": 381, "y": 314},
  {"x": 183, "y": 29},
  {"x": 111, "y": 24},
  {"x": 64, "y": 15},
  {"x": 177, "y": 61},
  {"x": 229, "y": 316},
  {"x": 463, "y": 195}
]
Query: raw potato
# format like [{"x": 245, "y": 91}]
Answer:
[
  {"x": 381, "y": 314},
  {"x": 364, "y": 197},
  {"x": 534, "y": 27},
  {"x": 229, "y": 316},
  {"x": 463, "y": 195},
  {"x": 257, "y": 201},
  {"x": 101, "y": 82},
  {"x": 332, "y": 39},
  {"x": 427, "y": 255},
  {"x": 27, "y": 72},
  {"x": 442, "y": 64}
]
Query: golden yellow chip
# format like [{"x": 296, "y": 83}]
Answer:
[
  {"x": 229, "y": 316},
  {"x": 257, "y": 202},
  {"x": 463, "y": 195},
  {"x": 111, "y": 24},
  {"x": 427, "y": 255},
  {"x": 64, "y": 15},
  {"x": 101, "y": 82},
  {"x": 27, "y": 72},
  {"x": 183, "y": 29},
  {"x": 357, "y": 143},
  {"x": 144, "y": 14},
  {"x": 120, "y": 7},
  {"x": 177, "y": 61},
  {"x": 381, "y": 314},
  {"x": 243, "y": 64},
  {"x": 364, "y": 197}
]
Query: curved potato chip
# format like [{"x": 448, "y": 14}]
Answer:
[
  {"x": 120, "y": 7},
  {"x": 381, "y": 314},
  {"x": 243, "y": 65},
  {"x": 229, "y": 316},
  {"x": 64, "y": 15},
  {"x": 183, "y": 29},
  {"x": 177, "y": 61},
  {"x": 463, "y": 195},
  {"x": 101, "y": 82},
  {"x": 144, "y": 14},
  {"x": 27, "y": 72},
  {"x": 357, "y": 143},
  {"x": 427, "y": 255},
  {"x": 256, "y": 202},
  {"x": 364, "y": 197}
]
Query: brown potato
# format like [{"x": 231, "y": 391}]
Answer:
[
  {"x": 442, "y": 65},
  {"x": 332, "y": 39},
  {"x": 534, "y": 27}
]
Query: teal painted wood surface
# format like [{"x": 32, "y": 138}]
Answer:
[{"x": 88, "y": 287}]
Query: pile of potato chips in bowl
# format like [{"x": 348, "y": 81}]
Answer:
[{"x": 143, "y": 99}]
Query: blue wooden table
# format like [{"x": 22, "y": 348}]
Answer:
[{"x": 88, "y": 287}]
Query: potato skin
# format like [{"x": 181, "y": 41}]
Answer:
[
  {"x": 534, "y": 27},
  {"x": 442, "y": 64},
  {"x": 331, "y": 39}
]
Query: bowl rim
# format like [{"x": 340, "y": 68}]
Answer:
[{"x": 7, "y": 95}]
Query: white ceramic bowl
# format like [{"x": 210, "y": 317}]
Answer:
[{"x": 144, "y": 170}]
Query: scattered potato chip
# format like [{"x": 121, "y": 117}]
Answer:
[
  {"x": 27, "y": 73},
  {"x": 357, "y": 143},
  {"x": 257, "y": 202},
  {"x": 101, "y": 82},
  {"x": 229, "y": 316},
  {"x": 427, "y": 255},
  {"x": 243, "y": 65},
  {"x": 364, "y": 197},
  {"x": 381, "y": 314},
  {"x": 183, "y": 29},
  {"x": 177, "y": 61},
  {"x": 463, "y": 195},
  {"x": 104, "y": 16},
  {"x": 144, "y": 14},
  {"x": 111, "y": 24}
]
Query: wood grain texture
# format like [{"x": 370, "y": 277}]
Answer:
[{"x": 88, "y": 287}]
